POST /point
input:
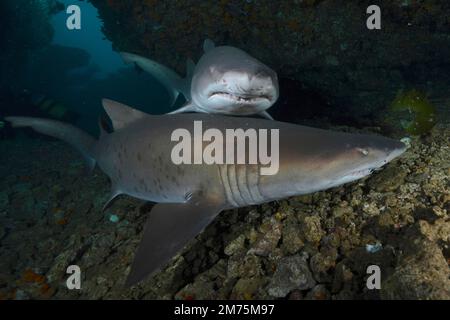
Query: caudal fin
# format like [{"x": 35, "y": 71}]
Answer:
[
  {"x": 79, "y": 139},
  {"x": 170, "y": 79}
]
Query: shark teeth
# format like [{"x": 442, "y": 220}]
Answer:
[
  {"x": 362, "y": 172},
  {"x": 238, "y": 98}
]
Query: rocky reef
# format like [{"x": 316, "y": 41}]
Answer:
[
  {"x": 333, "y": 71},
  {"x": 318, "y": 47},
  {"x": 309, "y": 247}
]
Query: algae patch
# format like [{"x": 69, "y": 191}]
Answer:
[{"x": 413, "y": 111}]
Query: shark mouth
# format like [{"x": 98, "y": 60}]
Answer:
[
  {"x": 363, "y": 172},
  {"x": 240, "y": 98},
  {"x": 351, "y": 176},
  {"x": 357, "y": 174}
]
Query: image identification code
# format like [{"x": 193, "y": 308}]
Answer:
[{"x": 245, "y": 309}]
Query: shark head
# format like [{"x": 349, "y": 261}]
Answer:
[
  {"x": 337, "y": 159},
  {"x": 227, "y": 80},
  {"x": 361, "y": 157}
]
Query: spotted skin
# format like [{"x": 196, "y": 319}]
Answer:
[{"x": 137, "y": 158}]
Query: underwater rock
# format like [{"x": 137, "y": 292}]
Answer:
[
  {"x": 34, "y": 284},
  {"x": 22, "y": 201},
  {"x": 163, "y": 285},
  {"x": 291, "y": 273},
  {"x": 342, "y": 211},
  {"x": 342, "y": 278},
  {"x": 235, "y": 246},
  {"x": 97, "y": 288},
  {"x": 2, "y": 232},
  {"x": 269, "y": 235},
  {"x": 21, "y": 295},
  {"x": 244, "y": 266},
  {"x": 319, "y": 292},
  {"x": 74, "y": 249},
  {"x": 201, "y": 290},
  {"x": 291, "y": 237},
  {"x": 410, "y": 222},
  {"x": 60, "y": 265},
  {"x": 437, "y": 231},
  {"x": 320, "y": 263},
  {"x": 427, "y": 214},
  {"x": 246, "y": 288},
  {"x": 4, "y": 199},
  {"x": 311, "y": 229},
  {"x": 422, "y": 273},
  {"x": 205, "y": 285},
  {"x": 296, "y": 295},
  {"x": 320, "y": 44},
  {"x": 389, "y": 179}
]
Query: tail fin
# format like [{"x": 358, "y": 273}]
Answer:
[
  {"x": 170, "y": 79},
  {"x": 60, "y": 130}
]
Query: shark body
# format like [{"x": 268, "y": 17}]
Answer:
[
  {"x": 137, "y": 158},
  {"x": 226, "y": 80}
]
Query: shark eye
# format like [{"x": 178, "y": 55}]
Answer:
[{"x": 363, "y": 151}]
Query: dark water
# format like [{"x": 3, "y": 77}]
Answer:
[{"x": 45, "y": 60}]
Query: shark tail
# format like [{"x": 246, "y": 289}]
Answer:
[
  {"x": 74, "y": 136},
  {"x": 173, "y": 82}
]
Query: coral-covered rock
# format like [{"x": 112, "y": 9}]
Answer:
[
  {"x": 292, "y": 273},
  {"x": 407, "y": 231},
  {"x": 312, "y": 230},
  {"x": 319, "y": 292},
  {"x": 267, "y": 239},
  {"x": 246, "y": 288},
  {"x": 292, "y": 237},
  {"x": 421, "y": 274}
]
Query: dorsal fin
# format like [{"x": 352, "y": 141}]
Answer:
[
  {"x": 208, "y": 45},
  {"x": 121, "y": 115}
]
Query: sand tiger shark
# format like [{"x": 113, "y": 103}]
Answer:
[
  {"x": 226, "y": 80},
  {"x": 137, "y": 158}
]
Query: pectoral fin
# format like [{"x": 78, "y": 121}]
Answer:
[
  {"x": 168, "y": 229},
  {"x": 115, "y": 192},
  {"x": 266, "y": 115}
]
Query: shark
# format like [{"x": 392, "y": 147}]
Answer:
[
  {"x": 137, "y": 157},
  {"x": 226, "y": 80}
]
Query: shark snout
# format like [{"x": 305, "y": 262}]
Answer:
[
  {"x": 250, "y": 85},
  {"x": 397, "y": 149}
]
